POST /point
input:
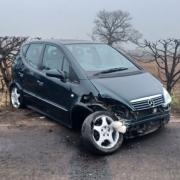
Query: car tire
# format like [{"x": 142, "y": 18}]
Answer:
[
  {"x": 98, "y": 135},
  {"x": 16, "y": 97}
]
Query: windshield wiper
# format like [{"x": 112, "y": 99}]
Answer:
[{"x": 111, "y": 70}]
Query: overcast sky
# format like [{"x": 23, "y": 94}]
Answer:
[{"x": 73, "y": 19}]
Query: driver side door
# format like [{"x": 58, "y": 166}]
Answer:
[{"x": 56, "y": 93}]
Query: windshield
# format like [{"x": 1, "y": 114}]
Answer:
[{"x": 99, "y": 57}]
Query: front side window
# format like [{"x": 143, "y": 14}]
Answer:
[
  {"x": 69, "y": 72},
  {"x": 33, "y": 54},
  {"x": 53, "y": 58},
  {"x": 99, "y": 57}
]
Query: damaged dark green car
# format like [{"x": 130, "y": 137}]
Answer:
[{"x": 92, "y": 87}]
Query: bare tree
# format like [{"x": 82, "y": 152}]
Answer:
[
  {"x": 9, "y": 47},
  {"x": 166, "y": 54},
  {"x": 115, "y": 27}
]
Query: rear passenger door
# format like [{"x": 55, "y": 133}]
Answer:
[{"x": 31, "y": 84}]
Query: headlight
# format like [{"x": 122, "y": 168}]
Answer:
[{"x": 167, "y": 97}]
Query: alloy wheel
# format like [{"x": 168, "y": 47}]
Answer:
[
  {"x": 104, "y": 135},
  {"x": 15, "y": 97}
]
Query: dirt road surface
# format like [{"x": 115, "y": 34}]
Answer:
[{"x": 33, "y": 148}]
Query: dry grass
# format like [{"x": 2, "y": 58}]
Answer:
[
  {"x": 4, "y": 100},
  {"x": 151, "y": 67}
]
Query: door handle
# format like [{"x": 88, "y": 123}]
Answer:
[
  {"x": 20, "y": 74},
  {"x": 40, "y": 83}
]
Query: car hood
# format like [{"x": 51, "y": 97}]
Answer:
[{"x": 127, "y": 88}]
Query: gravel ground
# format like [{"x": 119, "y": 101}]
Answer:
[{"x": 33, "y": 147}]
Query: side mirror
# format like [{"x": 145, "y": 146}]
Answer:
[{"x": 56, "y": 74}]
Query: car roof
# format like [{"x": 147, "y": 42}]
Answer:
[{"x": 65, "y": 41}]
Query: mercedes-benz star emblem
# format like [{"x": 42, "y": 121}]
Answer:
[{"x": 151, "y": 103}]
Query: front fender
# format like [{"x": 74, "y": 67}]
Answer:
[
  {"x": 81, "y": 110},
  {"x": 81, "y": 106}
]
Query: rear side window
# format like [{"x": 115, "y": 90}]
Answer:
[
  {"x": 33, "y": 54},
  {"x": 53, "y": 58}
]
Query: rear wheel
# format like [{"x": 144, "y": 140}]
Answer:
[
  {"x": 16, "y": 98},
  {"x": 98, "y": 134}
]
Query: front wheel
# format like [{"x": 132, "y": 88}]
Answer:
[
  {"x": 98, "y": 135},
  {"x": 16, "y": 98}
]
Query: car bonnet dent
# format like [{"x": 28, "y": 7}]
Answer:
[{"x": 113, "y": 98}]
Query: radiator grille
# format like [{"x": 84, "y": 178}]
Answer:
[{"x": 147, "y": 102}]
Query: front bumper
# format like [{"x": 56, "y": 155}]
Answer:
[{"x": 146, "y": 125}]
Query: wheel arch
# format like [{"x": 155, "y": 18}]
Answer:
[
  {"x": 21, "y": 101},
  {"x": 80, "y": 111}
]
